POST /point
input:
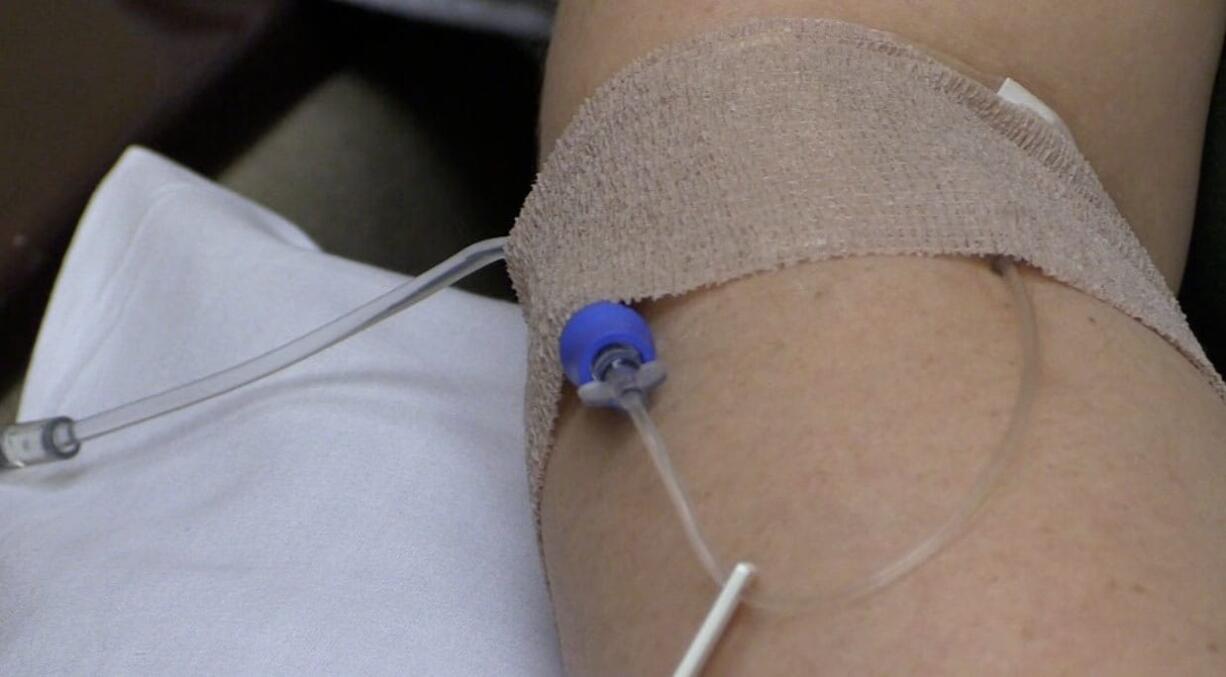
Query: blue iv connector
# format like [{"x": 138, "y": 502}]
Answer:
[{"x": 607, "y": 351}]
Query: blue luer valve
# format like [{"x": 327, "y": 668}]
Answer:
[{"x": 607, "y": 351}]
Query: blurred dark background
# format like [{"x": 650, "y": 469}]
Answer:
[
  {"x": 392, "y": 137},
  {"x": 394, "y": 132}
]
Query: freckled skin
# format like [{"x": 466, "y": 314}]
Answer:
[
  {"x": 1090, "y": 559},
  {"x": 827, "y": 415}
]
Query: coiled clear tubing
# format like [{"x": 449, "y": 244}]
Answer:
[
  {"x": 468, "y": 260},
  {"x": 986, "y": 482}
]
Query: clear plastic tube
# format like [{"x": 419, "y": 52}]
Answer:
[
  {"x": 985, "y": 484},
  {"x": 632, "y": 402},
  {"x": 465, "y": 262}
]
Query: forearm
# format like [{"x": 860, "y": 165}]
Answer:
[
  {"x": 852, "y": 402},
  {"x": 821, "y": 460},
  {"x": 1132, "y": 79}
]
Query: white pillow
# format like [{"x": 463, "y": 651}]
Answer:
[{"x": 365, "y": 511}]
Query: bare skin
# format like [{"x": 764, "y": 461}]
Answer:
[{"x": 1104, "y": 551}]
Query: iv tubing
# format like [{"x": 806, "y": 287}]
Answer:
[
  {"x": 632, "y": 403},
  {"x": 468, "y": 260},
  {"x": 953, "y": 526}
]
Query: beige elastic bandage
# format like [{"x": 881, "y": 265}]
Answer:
[{"x": 791, "y": 140}]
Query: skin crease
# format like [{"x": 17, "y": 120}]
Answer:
[{"x": 827, "y": 415}]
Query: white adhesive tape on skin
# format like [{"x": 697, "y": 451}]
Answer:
[{"x": 1012, "y": 91}]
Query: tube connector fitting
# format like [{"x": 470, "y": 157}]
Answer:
[
  {"x": 618, "y": 371},
  {"x": 607, "y": 351},
  {"x": 34, "y": 442}
]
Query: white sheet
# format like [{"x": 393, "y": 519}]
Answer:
[{"x": 364, "y": 512}]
